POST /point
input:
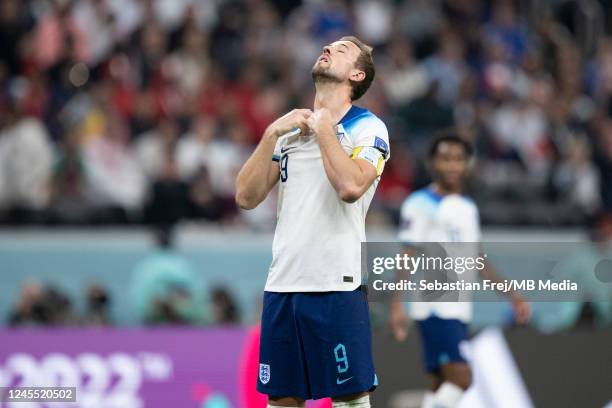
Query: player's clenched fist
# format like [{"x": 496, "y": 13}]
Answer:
[
  {"x": 296, "y": 119},
  {"x": 398, "y": 321},
  {"x": 319, "y": 120}
]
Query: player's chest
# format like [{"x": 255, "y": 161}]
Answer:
[
  {"x": 300, "y": 157},
  {"x": 307, "y": 147},
  {"x": 445, "y": 226}
]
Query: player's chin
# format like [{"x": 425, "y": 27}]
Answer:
[
  {"x": 325, "y": 74},
  {"x": 319, "y": 70},
  {"x": 453, "y": 181}
]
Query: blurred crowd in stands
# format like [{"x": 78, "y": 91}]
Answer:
[
  {"x": 142, "y": 111},
  {"x": 41, "y": 304},
  {"x": 164, "y": 289}
]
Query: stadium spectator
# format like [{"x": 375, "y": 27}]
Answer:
[
  {"x": 164, "y": 287},
  {"x": 519, "y": 133},
  {"x": 447, "y": 67},
  {"x": 603, "y": 160},
  {"x": 403, "y": 78},
  {"x": 204, "y": 204},
  {"x": 224, "y": 307},
  {"x": 42, "y": 305},
  {"x": 114, "y": 180},
  {"x": 505, "y": 28},
  {"x": 98, "y": 27},
  {"x": 28, "y": 309},
  {"x": 577, "y": 179},
  {"x": 193, "y": 149},
  {"x": 374, "y": 21},
  {"x": 69, "y": 201},
  {"x": 27, "y": 164},
  {"x": 154, "y": 147},
  {"x": 168, "y": 202},
  {"x": 418, "y": 20},
  {"x": 97, "y": 306},
  {"x": 58, "y": 35},
  {"x": 15, "y": 23}
]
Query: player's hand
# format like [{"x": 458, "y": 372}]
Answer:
[
  {"x": 398, "y": 321},
  {"x": 522, "y": 309},
  {"x": 320, "y": 120},
  {"x": 297, "y": 118}
]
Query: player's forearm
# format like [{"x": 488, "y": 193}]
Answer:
[
  {"x": 398, "y": 296},
  {"x": 489, "y": 273},
  {"x": 254, "y": 179},
  {"x": 344, "y": 174},
  {"x": 402, "y": 275}
]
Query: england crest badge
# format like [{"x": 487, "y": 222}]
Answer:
[{"x": 264, "y": 373}]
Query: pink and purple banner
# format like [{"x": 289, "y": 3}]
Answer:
[{"x": 137, "y": 368}]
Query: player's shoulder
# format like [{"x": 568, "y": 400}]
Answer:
[
  {"x": 472, "y": 204},
  {"x": 425, "y": 194},
  {"x": 462, "y": 199},
  {"x": 363, "y": 128},
  {"x": 422, "y": 199},
  {"x": 459, "y": 204},
  {"x": 470, "y": 201},
  {"x": 358, "y": 118}
]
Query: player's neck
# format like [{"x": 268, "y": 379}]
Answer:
[
  {"x": 444, "y": 191},
  {"x": 333, "y": 99}
]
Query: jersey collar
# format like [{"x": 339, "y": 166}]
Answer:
[
  {"x": 352, "y": 114},
  {"x": 434, "y": 195},
  {"x": 437, "y": 197}
]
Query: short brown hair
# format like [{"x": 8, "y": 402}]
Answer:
[{"x": 364, "y": 62}]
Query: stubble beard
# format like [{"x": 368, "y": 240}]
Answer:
[{"x": 324, "y": 75}]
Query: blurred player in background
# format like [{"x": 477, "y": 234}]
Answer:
[
  {"x": 315, "y": 330},
  {"x": 441, "y": 213}
]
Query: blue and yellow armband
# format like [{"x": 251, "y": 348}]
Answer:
[{"x": 370, "y": 154}]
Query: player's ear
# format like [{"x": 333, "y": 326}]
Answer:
[
  {"x": 357, "y": 75},
  {"x": 471, "y": 163}
]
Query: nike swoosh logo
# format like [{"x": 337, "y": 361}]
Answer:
[
  {"x": 339, "y": 381},
  {"x": 286, "y": 149}
]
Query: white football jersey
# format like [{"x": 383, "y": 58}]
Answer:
[
  {"x": 428, "y": 217},
  {"x": 317, "y": 243}
]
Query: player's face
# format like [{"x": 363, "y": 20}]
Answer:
[
  {"x": 337, "y": 63},
  {"x": 450, "y": 165}
]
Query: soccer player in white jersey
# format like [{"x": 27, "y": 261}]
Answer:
[
  {"x": 442, "y": 213},
  {"x": 315, "y": 329}
]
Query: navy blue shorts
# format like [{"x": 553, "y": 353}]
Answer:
[
  {"x": 441, "y": 339},
  {"x": 315, "y": 345}
]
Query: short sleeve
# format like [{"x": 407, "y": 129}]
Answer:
[
  {"x": 371, "y": 143},
  {"x": 413, "y": 222},
  {"x": 277, "y": 151},
  {"x": 475, "y": 234},
  {"x": 282, "y": 141}
]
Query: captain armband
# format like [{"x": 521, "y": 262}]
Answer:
[{"x": 372, "y": 155}]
